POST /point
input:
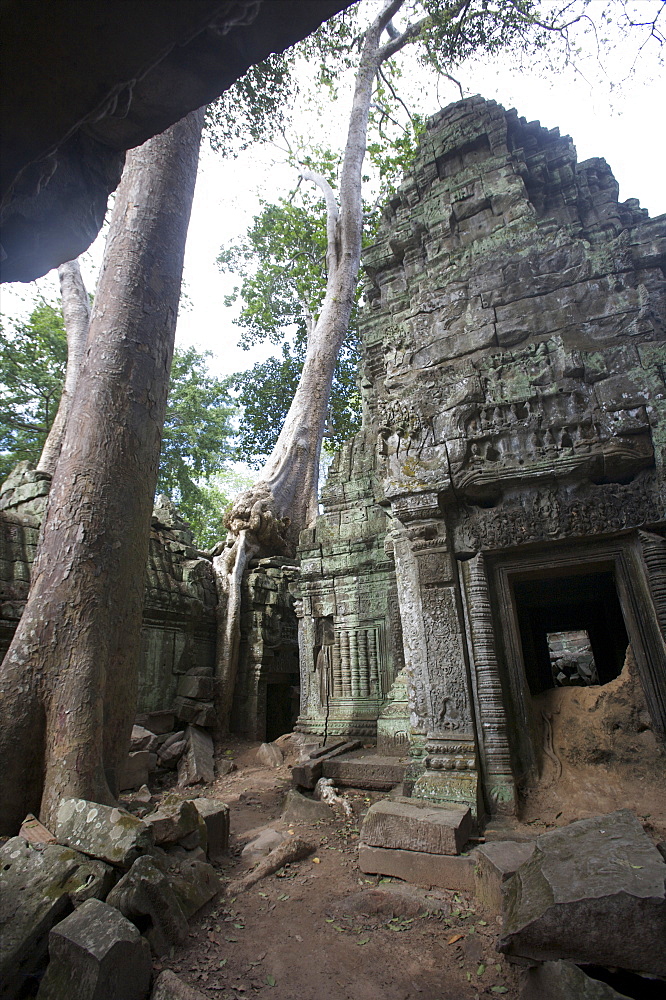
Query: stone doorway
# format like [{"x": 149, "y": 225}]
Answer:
[
  {"x": 560, "y": 618},
  {"x": 282, "y": 704},
  {"x": 603, "y": 590}
]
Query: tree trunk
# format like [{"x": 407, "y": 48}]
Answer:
[
  {"x": 76, "y": 314},
  {"x": 68, "y": 682},
  {"x": 270, "y": 515}
]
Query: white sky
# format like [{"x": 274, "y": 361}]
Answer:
[{"x": 630, "y": 135}]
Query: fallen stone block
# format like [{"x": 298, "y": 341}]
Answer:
[
  {"x": 39, "y": 885},
  {"x": 416, "y": 825},
  {"x": 495, "y": 863},
  {"x": 328, "y": 748},
  {"x": 310, "y": 771},
  {"x": 169, "y": 986},
  {"x": 197, "y": 687},
  {"x": 565, "y": 981},
  {"x": 173, "y": 821},
  {"x": 137, "y": 769},
  {"x": 592, "y": 892},
  {"x": 170, "y": 756},
  {"x": 270, "y": 755},
  {"x": 262, "y": 845},
  {"x": 199, "y": 713},
  {"x": 197, "y": 763},
  {"x": 300, "y": 809},
  {"x": 157, "y": 722},
  {"x": 215, "y": 815},
  {"x": 96, "y": 954},
  {"x": 146, "y": 897},
  {"x": 445, "y": 871},
  {"x": 197, "y": 883},
  {"x": 105, "y": 832},
  {"x": 143, "y": 739},
  {"x": 35, "y": 832},
  {"x": 367, "y": 771},
  {"x": 178, "y": 737}
]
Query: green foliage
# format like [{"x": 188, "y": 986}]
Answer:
[
  {"x": 266, "y": 392},
  {"x": 282, "y": 266},
  {"x": 214, "y": 498},
  {"x": 254, "y": 108},
  {"x": 196, "y": 441},
  {"x": 198, "y": 432},
  {"x": 33, "y": 358}
]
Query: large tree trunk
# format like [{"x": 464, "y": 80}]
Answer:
[
  {"x": 269, "y": 517},
  {"x": 68, "y": 682},
  {"x": 76, "y": 315}
]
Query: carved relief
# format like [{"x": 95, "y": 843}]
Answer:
[
  {"x": 447, "y": 675},
  {"x": 559, "y": 513}
]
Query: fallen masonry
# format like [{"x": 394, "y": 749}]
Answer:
[{"x": 134, "y": 896}]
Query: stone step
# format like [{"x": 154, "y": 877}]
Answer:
[
  {"x": 364, "y": 770},
  {"x": 417, "y": 825},
  {"x": 308, "y": 774},
  {"x": 445, "y": 871}
]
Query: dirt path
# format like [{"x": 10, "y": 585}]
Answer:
[{"x": 321, "y": 929}]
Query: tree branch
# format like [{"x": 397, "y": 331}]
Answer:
[{"x": 332, "y": 216}]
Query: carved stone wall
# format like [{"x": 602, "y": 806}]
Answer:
[
  {"x": 268, "y": 659},
  {"x": 514, "y": 391},
  {"x": 350, "y": 631},
  {"x": 178, "y": 636}
]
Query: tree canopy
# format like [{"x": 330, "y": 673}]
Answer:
[
  {"x": 33, "y": 358},
  {"x": 197, "y": 441}
]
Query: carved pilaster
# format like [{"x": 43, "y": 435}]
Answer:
[
  {"x": 654, "y": 557},
  {"x": 491, "y": 715},
  {"x": 433, "y": 632}
]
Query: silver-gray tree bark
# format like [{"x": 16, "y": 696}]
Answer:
[
  {"x": 69, "y": 680},
  {"x": 269, "y": 517},
  {"x": 76, "y": 317}
]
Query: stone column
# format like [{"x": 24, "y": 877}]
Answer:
[
  {"x": 435, "y": 654},
  {"x": 490, "y": 712}
]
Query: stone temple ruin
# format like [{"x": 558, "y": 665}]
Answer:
[{"x": 496, "y": 530}]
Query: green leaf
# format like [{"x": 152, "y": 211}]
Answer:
[
  {"x": 499, "y": 989},
  {"x": 271, "y": 980},
  {"x": 481, "y": 969}
]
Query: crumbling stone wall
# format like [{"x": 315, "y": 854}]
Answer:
[
  {"x": 178, "y": 637},
  {"x": 268, "y": 658},
  {"x": 514, "y": 425}
]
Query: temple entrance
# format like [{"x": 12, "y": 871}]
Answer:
[
  {"x": 578, "y": 644},
  {"x": 572, "y": 631},
  {"x": 282, "y": 704}
]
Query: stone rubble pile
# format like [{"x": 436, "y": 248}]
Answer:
[{"x": 110, "y": 890}]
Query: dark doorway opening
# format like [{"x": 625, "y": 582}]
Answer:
[
  {"x": 282, "y": 704},
  {"x": 584, "y": 602}
]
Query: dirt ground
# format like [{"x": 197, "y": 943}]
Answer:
[
  {"x": 322, "y": 930},
  {"x": 603, "y": 755}
]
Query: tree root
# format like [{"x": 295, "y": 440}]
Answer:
[{"x": 286, "y": 853}]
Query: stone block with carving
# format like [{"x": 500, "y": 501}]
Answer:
[{"x": 96, "y": 954}]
